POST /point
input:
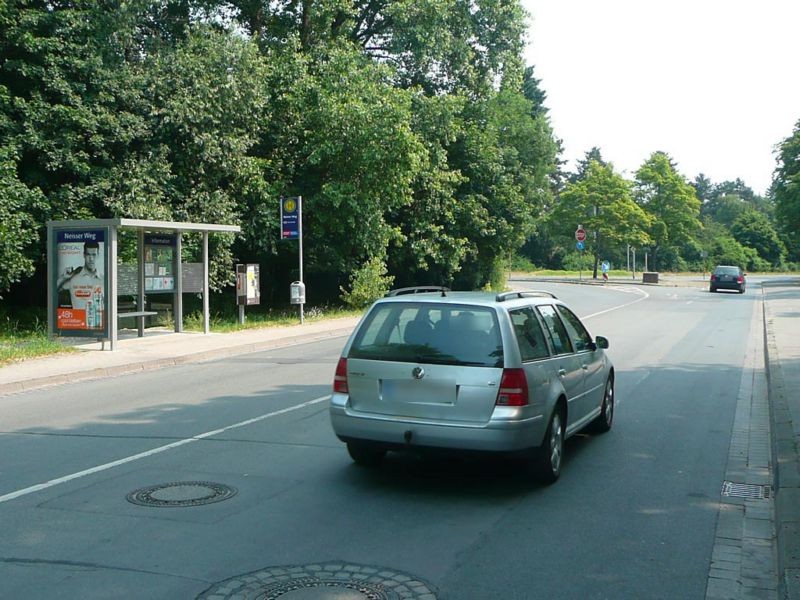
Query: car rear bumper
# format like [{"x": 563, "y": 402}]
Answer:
[
  {"x": 507, "y": 431},
  {"x": 727, "y": 286}
]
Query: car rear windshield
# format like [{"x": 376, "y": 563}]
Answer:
[
  {"x": 430, "y": 333},
  {"x": 727, "y": 271}
]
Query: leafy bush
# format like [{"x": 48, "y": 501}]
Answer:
[
  {"x": 498, "y": 275},
  {"x": 521, "y": 263},
  {"x": 577, "y": 261},
  {"x": 367, "y": 284}
]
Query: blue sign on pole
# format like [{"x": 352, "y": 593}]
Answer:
[
  {"x": 579, "y": 245},
  {"x": 290, "y": 218}
]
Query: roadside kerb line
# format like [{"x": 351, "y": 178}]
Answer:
[{"x": 154, "y": 451}]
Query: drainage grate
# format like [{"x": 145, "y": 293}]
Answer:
[
  {"x": 751, "y": 491},
  {"x": 181, "y": 493}
]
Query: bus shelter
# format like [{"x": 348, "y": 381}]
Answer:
[{"x": 84, "y": 279}]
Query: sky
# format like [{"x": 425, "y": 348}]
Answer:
[{"x": 713, "y": 83}]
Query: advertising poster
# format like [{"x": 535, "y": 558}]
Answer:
[
  {"x": 80, "y": 284},
  {"x": 253, "y": 293},
  {"x": 159, "y": 262},
  {"x": 247, "y": 285}
]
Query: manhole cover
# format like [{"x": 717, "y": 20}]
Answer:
[
  {"x": 750, "y": 491},
  {"x": 312, "y": 588},
  {"x": 181, "y": 493},
  {"x": 322, "y": 581}
]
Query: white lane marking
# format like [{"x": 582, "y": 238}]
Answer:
[
  {"x": 159, "y": 450},
  {"x": 645, "y": 296}
]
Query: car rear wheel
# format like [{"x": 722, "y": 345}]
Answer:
[
  {"x": 712, "y": 289},
  {"x": 605, "y": 419},
  {"x": 365, "y": 455},
  {"x": 741, "y": 290},
  {"x": 547, "y": 465}
]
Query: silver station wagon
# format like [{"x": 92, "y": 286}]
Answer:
[{"x": 427, "y": 368}]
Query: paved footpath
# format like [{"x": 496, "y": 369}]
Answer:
[
  {"x": 757, "y": 545},
  {"x": 782, "y": 333},
  {"x": 158, "y": 349}
]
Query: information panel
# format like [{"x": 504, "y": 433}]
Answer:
[{"x": 159, "y": 263}]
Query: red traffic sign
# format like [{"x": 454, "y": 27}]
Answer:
[{"x": 580, "y": 234}]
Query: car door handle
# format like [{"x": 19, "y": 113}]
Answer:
[{"x": 562, "y": 373}]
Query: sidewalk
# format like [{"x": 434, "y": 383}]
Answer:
[
  {"x": 782, "y": 339},
  {"x": 781, "y": 334},
  {"x": 157, "y": 349}
]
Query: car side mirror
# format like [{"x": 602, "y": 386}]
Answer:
[{"x": 602, "y": 342}]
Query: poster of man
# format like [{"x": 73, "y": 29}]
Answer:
[{"x": 81, "y": 280}]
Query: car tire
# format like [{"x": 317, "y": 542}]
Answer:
[
  {"x": 365, "y": 455},
  {"x": 547, "y": 464},
  {"x": 712, "y": 289},
  {"x": 741, "y": 290},
  {"x": 605, "y": 419}
]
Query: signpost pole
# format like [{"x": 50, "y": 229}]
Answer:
[
  {"x": 206, "y": 300},
  {"x": 292, "y": 228},
  {"x": 140, "y": 299},
  {"x": 300, "y": 230},
  {"x": 241, "y": 290},
  {"x": 177, "y": 302}
]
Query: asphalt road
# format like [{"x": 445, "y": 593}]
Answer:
[{"x": 633, "y": 515}]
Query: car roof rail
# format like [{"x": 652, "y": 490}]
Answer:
[
  {"x": 502, "y": 297},
  {"x": 419, "y": 289}
]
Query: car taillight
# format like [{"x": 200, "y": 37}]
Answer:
[
  {"x": 713, "y": 278},
  {"x": 740, "y": 279},
  {"x": 513, "y": 388},
  {"x": 340, "y": 378}
]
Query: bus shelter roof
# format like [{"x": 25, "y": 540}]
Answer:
[{"x": 148, "y": 224}]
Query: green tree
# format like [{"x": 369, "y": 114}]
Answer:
[
  {"x": 735, "y": 188},
  {"x": 505, "y": 157},
  {"x": 593, "y": 155},
  {"x": 753, "y": 229},
  {"x": 207, "y": 101},
  {"x": 725, "y": 209},
  {"x": 602, "y": 202},
  {"x": 431, "y": 249},
  {"x": 438, "y": 45},
  {"x": 663, "y": 193},
  {"x": 786, "y": 190},
  {"x": 361, "y": 158},
  {"x": 20, "y": 209},
  {"x": 723, "y": 249},
  {"x": 532, "y": 90},
  {"x": 703, "y": 188}
]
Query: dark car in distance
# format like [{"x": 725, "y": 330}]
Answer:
[{"x": 726, "y": 277}]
